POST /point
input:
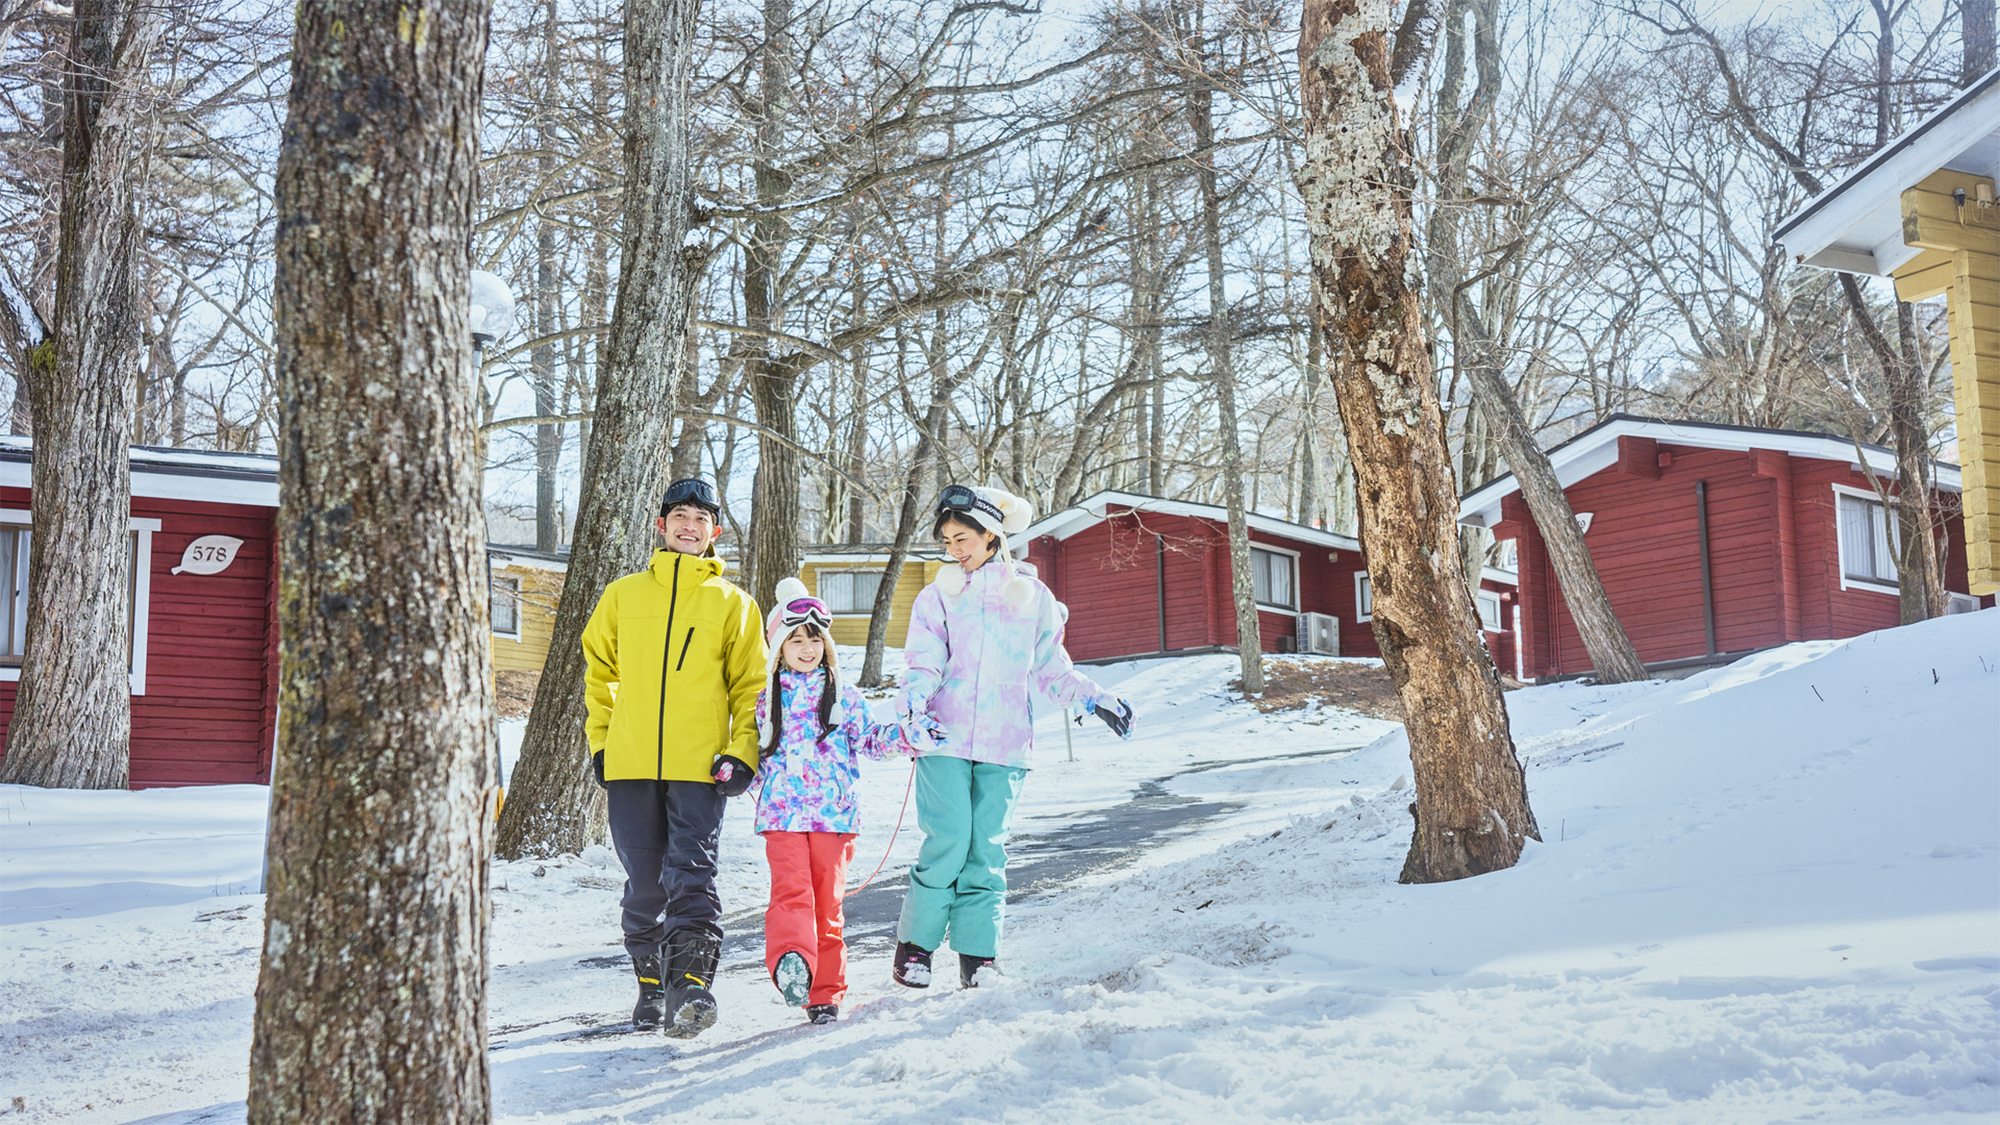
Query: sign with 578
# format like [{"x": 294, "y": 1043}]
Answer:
[{"x": 210, "y": 554}]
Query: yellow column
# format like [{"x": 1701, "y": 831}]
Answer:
[{"x": 1962, "y": 259}]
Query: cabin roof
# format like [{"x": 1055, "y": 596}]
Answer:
[
  {"x": 170, "y": 474},
  {"x": 1093, "y": 510},
  {"x": 1596, "y": 449},
  {"x": 1856, "y": 224}
]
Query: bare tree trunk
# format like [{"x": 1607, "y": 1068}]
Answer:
[
  {"x": 1920, "y": 589},
  {"x": 553, "y": 805},
  {"x": 1472, "y": 800},
  {"x": 943, "y": 383},
  {"x": 1242, "y": 588},
  {"x": 542, "y": 361},
  {"x": 1478, "y": 354},
  {"x": 371, "y": 999},
  {"x": 774, "y": 503},
  {"x": 1976, "y": 32},
  {"x": 72, "y": 722}
]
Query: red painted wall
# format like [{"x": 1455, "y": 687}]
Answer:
[
  {"x": 210, "y": 706},
  {"x": 1109, "y": 574},
  {"x": 1774, "y": 556}
]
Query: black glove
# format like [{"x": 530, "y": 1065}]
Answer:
[
  {"x": 597, "y": 769},
  {"x": 731, "y": 776},
  {"x": 1117, "y": 714}
]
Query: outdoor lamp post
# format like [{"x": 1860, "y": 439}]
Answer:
[{"x": 492, "y": 309}]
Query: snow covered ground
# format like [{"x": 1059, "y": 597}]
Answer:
[{"x": 1770, "y": 892}]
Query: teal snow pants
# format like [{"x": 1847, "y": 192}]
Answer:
[{"x": 959, "y": 885}]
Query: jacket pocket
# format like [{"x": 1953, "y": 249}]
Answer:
[{"x": 685, "y": 642}]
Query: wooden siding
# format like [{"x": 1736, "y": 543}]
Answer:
[
  {"x": 1773, "y": 554},
  {"x": 541, "y": 589},
  {"x": 1109, "y": 575},
  {"x": 852, "y": 628},
  {"x": 210, "y": 708}
]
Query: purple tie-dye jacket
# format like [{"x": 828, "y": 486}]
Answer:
[
  {"x": 972, "y": 660},
  {"x": 806, "y": 783}
]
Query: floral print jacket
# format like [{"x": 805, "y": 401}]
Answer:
[
  {"x": 806, "y": 783},
  {"x": 975, "y": 662}
]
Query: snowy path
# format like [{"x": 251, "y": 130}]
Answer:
[{"x": 1771, "y": 892}]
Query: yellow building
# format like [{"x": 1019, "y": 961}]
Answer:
[
  {"x": 1923, "y": 211},
  {"x": 527, "y": 584},
  {"x": 846, "y": 577}
]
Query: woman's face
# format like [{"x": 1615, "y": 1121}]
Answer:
[
  {"x": 803, "y": 651},
  {"x": 970, "y": 546}
]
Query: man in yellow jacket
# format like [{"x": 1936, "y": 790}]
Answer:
[{"x": 674, "y": 659}]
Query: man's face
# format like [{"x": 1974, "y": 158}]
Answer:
[{"x": 689, "y": 528}]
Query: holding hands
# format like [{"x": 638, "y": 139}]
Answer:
[{"x": 922, "y": 733}]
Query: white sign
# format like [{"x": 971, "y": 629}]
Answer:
[{"x": 210, "y": 554}]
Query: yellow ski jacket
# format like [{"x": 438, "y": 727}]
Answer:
[{"x": 674, "y": 657}]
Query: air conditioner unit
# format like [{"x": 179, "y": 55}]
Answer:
[
  {"x": 1962, "y": 603},
  {"x": 1320, "y": 633}
]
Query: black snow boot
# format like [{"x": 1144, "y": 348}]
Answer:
[
  {"x": 691, "y": 959},
  {"x": 969, "y": 966},
  {"x": 822, "y": 1013},
  {"x": 652, "y": 1006},
  {"x": 913, "y": 965}
]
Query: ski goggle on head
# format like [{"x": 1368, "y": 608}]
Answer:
[
  {"x": 805, "y": 611},
  {"x": 961, "y": 498},
  {"x": 690, "y": 490}
]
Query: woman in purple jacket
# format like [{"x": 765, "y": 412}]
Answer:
[{"x": 982, "y": 634}]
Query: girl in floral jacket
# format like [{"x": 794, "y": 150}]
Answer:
[
  {"x": 984, "y": 635},
  {"x": 810, "y": 729}
]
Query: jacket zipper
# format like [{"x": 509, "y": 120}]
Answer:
[
  {"x": 684, "y": 648},
  {"x": 660, "y": 731}
]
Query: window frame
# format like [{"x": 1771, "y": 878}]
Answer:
[
  {"x": 1848, "y": 582},
  {"x": 820, "y": 572},
  {"x": 139, "y": 621},
  {"x": 494, "y": 585},
  {"x": 1483, "y": 597},
  {"x": 1364, "y": 606},
  {"x": 1282, "y": 552}
]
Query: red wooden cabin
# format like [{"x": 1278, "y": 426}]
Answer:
[
  {"x": 1144, "y": 576},
  {"x": 1714, "y": 541},
  {"x": 204, "y": 625}
]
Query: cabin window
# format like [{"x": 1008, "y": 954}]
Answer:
[
  {"x": 16, "y": 538},
  {"x": 1867, "y": 540},
  {"x": 849, "y": 591},
  {"x": 1489, "y": 611},
  {"x": 507, "y": 606},
  {"x": 1364, "y": 597},
  {"x": 1272, "y": 576}
]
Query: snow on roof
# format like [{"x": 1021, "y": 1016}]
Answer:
[
  {"x": 528, "y": 558},
  {"x": 1857, "y": 224},
  {"x": 170, "y": 474},
  {"x": 1093, "y": 510},
  {"x": 1596, "y": 449}
]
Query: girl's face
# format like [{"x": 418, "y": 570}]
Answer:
[
  {"x": 803, "y": 651},
  {"x": 970, "y": 546}
]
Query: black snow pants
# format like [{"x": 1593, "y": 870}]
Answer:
[{"x": 666, "y": 833}]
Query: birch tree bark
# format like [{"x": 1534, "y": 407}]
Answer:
[
  {"x": 1472, "y": 800},
  {"x": 371, "y": 997},
  {"x": 553, "y": 805},
  {"x": 72, "y": 722}
]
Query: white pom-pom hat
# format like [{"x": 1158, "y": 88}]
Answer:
[
  {"x": 1000, "y": 512},
  {"x": 792, "y": 605}
]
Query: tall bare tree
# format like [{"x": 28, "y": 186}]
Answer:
[
  {"x": 1472, "y": 798},
  {"x": 72, "y": 722},
  {"x": 553, "y": 805},
  {"x": 1480, "y": 356},
  {"x": 371, "y": 998}
]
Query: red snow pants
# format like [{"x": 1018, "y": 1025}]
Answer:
[{"x": 808, "y": 875}]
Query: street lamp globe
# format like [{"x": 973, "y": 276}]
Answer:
[{"x": 492, "y": 308}]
